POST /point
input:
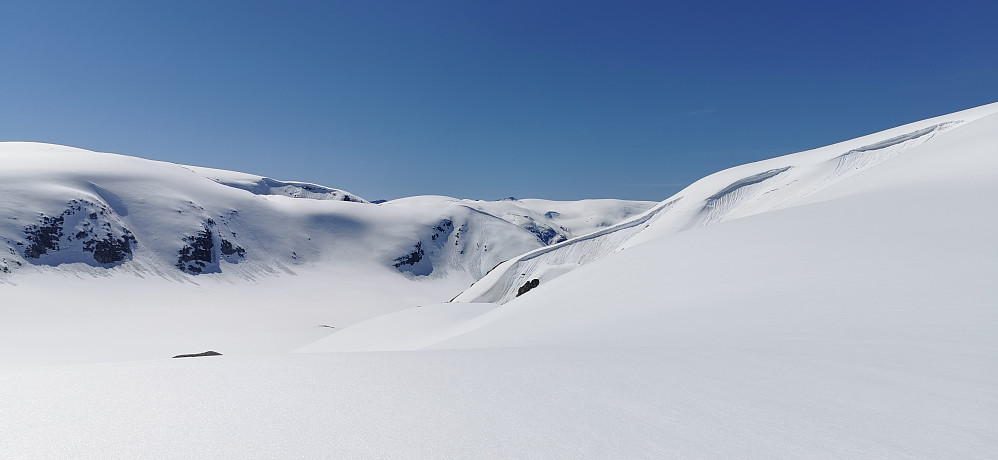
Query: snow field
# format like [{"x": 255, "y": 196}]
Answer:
[{"x": 837, "y": 303}]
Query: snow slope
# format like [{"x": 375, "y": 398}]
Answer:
[
  {"x": 731, "y": 194},
  {"x": 858, "y": 319},
  {"x": 107, "y": 257},
  {"x": 820, "y": 311}
]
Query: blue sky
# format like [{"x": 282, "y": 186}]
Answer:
[{"x": 559, "y": 100}]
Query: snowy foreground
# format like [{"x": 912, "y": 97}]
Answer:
[{"x": 839, "y": 302}]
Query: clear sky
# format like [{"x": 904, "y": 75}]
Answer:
[{"x": 484, "y": 99}]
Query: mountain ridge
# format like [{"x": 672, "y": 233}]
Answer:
[{"x": 206, "y": 221}]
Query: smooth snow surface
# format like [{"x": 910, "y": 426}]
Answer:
[
  {"x": 836, "y": 303},
  {"x": 497, "y": 403},
  {"x": 407, "y": 329}
]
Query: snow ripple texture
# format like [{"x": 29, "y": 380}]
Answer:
[{"x": 879, "y": 152}]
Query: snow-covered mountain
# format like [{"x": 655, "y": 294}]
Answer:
[
  {"x": 70, "y": 206},
  {"x": 839, "y": 302},
  {"x": 551, "y": 221},
  {"x": 191, "y": 257}
]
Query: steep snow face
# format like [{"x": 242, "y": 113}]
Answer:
[{"x": 731, "y": 194}]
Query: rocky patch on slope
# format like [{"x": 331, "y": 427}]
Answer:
[{"x": 85, "y": 232}]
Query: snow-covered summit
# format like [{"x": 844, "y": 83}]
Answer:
[
  {"x": 70, "y": 207},
  {"x": 258, "y": 185}
]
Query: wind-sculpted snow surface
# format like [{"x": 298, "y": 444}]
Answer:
[
  {"x": 267, "y": 186},
  {"x": 731, "y": 194},
  {"x": 718, "y": 205},
  {"x": 875, "y": 153}
]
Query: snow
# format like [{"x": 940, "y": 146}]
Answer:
[
  {"x": 267, "y": 186},
  {"x": 163, "y": 203},
  {"x": 499, "y": 402},
  {"x": 552, "y": 221},
  {"x": 64, "y": 317},
  {"x": 312, "y": 256},
  {"x": 834, "y": 303},
  {"x": 731, "y": 194},
  {"x": 407, "y": 329}
]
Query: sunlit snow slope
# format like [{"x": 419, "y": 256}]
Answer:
[
  {"x": 836, "y": 303},
  {"x": 839, "y": 302},
  {"x": 735, "y": 193}
]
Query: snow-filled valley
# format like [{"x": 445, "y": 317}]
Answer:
[
  {"x": 837, "y": 302},
  {"x": 136, "y": 259}
]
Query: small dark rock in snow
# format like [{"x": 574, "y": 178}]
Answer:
[
  {"x": 528, "y": 286},
  {"x": 197, "y": 355}
]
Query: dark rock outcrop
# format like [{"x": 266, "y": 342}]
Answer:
[
  {"x": 84, "y": 226},
  {"x": 229, "y": 249},
  {"x": 528, "y": 286},
  {"x": 411, "y": 258},
  {"x": 198, "y": 253},
  {"x": 43, "y": 237},
  {"x": 420, "y": 260},
  {"x": 442, "y": 229},
  {"x": 546, "y": 234},
  {"x": 110, "y": 250}
]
